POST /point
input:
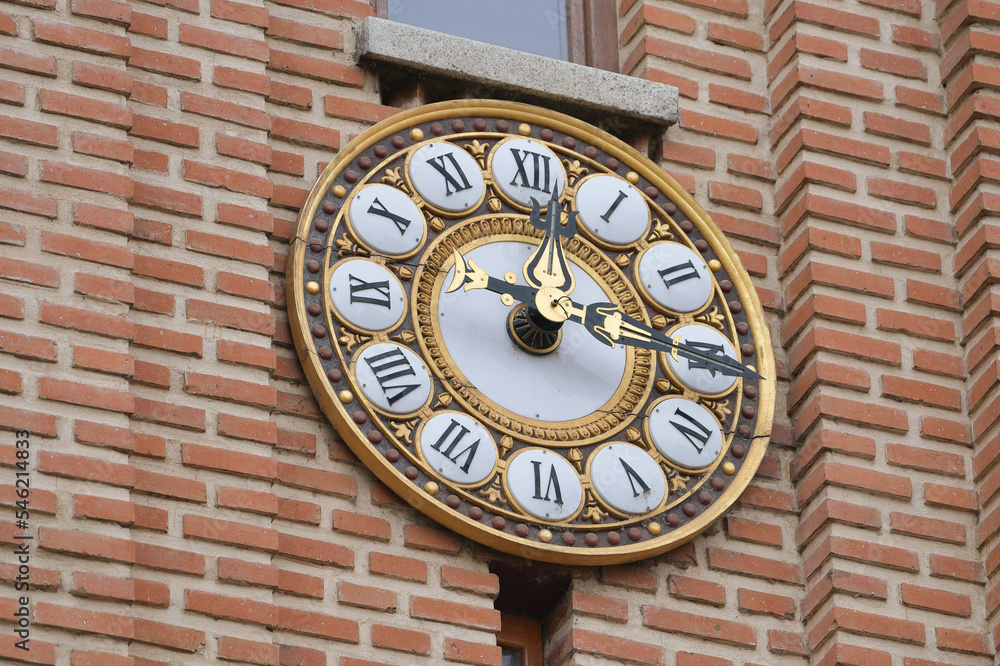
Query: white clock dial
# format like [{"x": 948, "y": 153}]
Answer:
[
  {"x": 386, "y": 220},
  {"x": 524, "y": 170},
  {"x": 627, "y": 478},
  {"x": 612, "y": 210},
  {"x": 392, "y": 377},
  {"x": 694, "y": 374},
  {"x": 458, "y": 447},
  {"x": 675, "y": 277},
  {"x": 446, "y": 176},
  {"x": 367, "y": 295},
  {"x": 544, "y": 484},
  {"x": 574, "y": 381},
  {"x": 686, "y": 433}
]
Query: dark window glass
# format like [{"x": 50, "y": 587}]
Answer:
[
  {"x": 535, "y": 26},
  {"x": 511, "y": 657}
]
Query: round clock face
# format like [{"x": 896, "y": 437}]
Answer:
[{"x": 531, "y": 333}]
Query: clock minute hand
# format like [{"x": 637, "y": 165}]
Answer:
[
  {"x": 606, "y": 322},
  {"x": 547, "y": 266}
]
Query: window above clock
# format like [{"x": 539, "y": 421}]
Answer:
[
  {"x": 417, "y": 65},
  {"x": 580, "y": 31}
]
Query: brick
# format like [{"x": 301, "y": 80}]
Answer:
[
  {"x": 87, "y": 250},
  {"x": 701, "y": 123},
  {"x": 82, "y": 39},
  {"x": 231, "y": 317},
  {"x": 321, "y": 69},
  {"x": 27, "y": 347},
  {"x": 362, "y": 596},
  {"x": 30, "y": 62},
  {"x": 85, "y": 108},
  {"x": 429, "y": 538},
  {"x": 310, "y": 478},
  {"x": 230, "y": 532},
  {"x": 234, "y": 462},
  {"x": 230, "y": 179},
  {"x": 28, "y": 272},
  {"x": 251, "y": 652},
  {"x": 361, "y": 525},
  {"x": 289, "y": 95},
  {"x": 866, "y": 624},
  {"x": 305, "y": 134},
  {"x": 449, "y": 612},
  {"x": 227, "y": 111},
  {"x": 940, "y": 601},
  {"x": 29, "y": 131},
  {"x": 154, "y": 411},
  {"x": 395, "y": 566},
  {"x": 223, "y": 42},
  {"x": 402, "y": 640},
  {"x": 253, "y": 430},
  {"x": 897, "y": 65},
  {"x": 164, "y": 131},
  {"x": 714, "y": 629},
  {"x": 753, "y": 566},
  {"x": 765, "y": 603},
  {"x": 166, "y": 199},
  {"x": 692, "y": 589},
  {"x": 230, "y": 248},
  {"x": 101, "y": 360},
  {"x": 161, "y": 338},
  {"x": 927, "y": 528}
]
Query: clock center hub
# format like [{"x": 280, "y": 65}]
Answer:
[{"x": 533, "y": 332}]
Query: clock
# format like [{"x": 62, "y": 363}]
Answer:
[{"x": 530, "y": 332}]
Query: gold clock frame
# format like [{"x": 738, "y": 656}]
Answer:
[{"x": 336, "y": 411}]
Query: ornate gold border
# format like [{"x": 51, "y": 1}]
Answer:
[{"x": 337, "y": 412}]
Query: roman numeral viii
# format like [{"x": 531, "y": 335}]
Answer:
[{"x": 389, "y": 366}]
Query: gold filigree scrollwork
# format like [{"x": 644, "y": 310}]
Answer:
[
  {"x": 444, "y": 400},
  {"x": 478, "y": 150},
  {"x": 394, "y": 178},
  {"x": 574, "y": 171},
  {"x": 576, "y": 458},
  {"x": 404, "y": 337},
  {"x": 436, "y": 224},
  {"x": 350, "y": 340},
  {"x": 720, "y": 408},
  {"x": 403, "y": 271},
  {"x": 664, "y": 386},
  {"x": 493, "y": 494},
  {"x": 713, "y": 318},
  {"x": 404, "y": 429},
  {"x": 594, "y": 513},
  {"x": 661, "y": 231},
  {"x": 677, "y": 481},
  {"x": 506, "y": 444},
  {"x": 348, "y": 248},
  {"x": 493, "y": 201}
]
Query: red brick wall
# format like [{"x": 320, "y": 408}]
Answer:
[{"x": 192, "y": 505}]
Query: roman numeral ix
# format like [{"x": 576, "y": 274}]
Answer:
[{"x": 376, "y": 293}]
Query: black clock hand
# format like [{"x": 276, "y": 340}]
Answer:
[
  {"x": 607, "y": 323},
  {"x": 547, "y": 266},
  {"x": 473, "y": 277}
]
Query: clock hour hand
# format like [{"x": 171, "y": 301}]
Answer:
[
  {"x": 607, "y": 323},
  {"x": 547, "y": 266},
  {"x": 471, "y": 276}
]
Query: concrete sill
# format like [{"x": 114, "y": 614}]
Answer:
[{"x": 384, "y": 43}]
